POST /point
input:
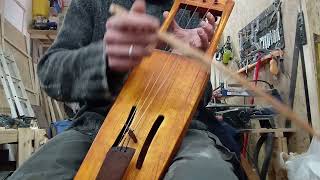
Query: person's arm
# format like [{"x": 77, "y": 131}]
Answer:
[{"x": 74, "y": 68}]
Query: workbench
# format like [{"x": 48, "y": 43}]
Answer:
[{"x": 29, "y": 140}]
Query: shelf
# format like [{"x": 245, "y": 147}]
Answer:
[{"x": 43, "y": 34}]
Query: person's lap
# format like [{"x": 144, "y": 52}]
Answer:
[
  {"x": 198, "y": 158},
  {"x": 60, "y": 158}
]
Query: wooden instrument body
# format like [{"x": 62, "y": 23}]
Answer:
[{"x": 164, "y": 84}]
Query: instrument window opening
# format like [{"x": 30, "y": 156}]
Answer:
[
  {"x": 148, "y": 141},
  {"x": 127, "y": 124}
]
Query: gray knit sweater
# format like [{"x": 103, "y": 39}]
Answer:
[{"x": 75, "y": 69}]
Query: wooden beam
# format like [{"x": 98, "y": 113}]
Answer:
[
  {"x": 53, "y": 116},
  {"x": 29, "y": 90},
  {"x": 8, "y": 136},
  {"x": 25, "y": 137},
  {"x": 39, "y": 138},
  {"x": 44, "y": 103},
  {"x": 265, "y": 130},
  {"x": 17, "y": 48},
  {"x": 58, "y": 109},
  {"x": 276, "y": 170},
  {"x": 43, "y": 34},
  {"x": 249, "y": 170}
]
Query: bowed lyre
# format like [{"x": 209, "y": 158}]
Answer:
[{"x": 146, "y": 124}]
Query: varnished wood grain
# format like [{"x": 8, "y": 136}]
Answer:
[
  {"x": 218, "y": 33},
  {"x": 202, "y": 6},
  {"x": 176, "y": 100},
  {"x": 175, "y": 88}
]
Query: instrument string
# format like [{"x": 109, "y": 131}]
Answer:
[
  {"x": 165, "y": 79},
  {"x": 158, "y": 77},
  {"x": 170, "y": 72},
  {"x": 182, "y": 113},
  {"x": 137, "y": 102},
  {"x": 160, "y": 74}
]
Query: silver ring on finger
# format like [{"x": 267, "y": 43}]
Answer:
[{"x": 130, "y": 50}]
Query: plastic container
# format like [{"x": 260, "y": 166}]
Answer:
[{"x": 40, "y": 8}]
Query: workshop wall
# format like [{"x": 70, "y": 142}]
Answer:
[
  {"x": 16, "y": 42},
  {"x": 313, "y": 13},
  {"x": 244, "y": 12}
]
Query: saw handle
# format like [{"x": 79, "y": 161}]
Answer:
[{"x": 274, "y": 66}]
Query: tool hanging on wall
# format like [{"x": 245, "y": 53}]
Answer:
[
  {"x": 267, "y": 57},
  {"x": 225, "y": 54},
  {"x": 264, "y": 32},
  {"x": 300, "y": 41}
]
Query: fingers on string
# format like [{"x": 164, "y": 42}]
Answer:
[
  {"x": 208, "y": 28},
  {"x": 209, "y": 25},
  {"x": 211, "y": 19},
  {"x": 139, "y": 6},
  {"x": 204, "y": 38},
  {"x": 174, "y": 25}
]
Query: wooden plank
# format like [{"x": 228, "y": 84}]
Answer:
[
  {"x": 8, "y": 136},
  {"x": 53, "y": 116},
  {"x": 44, "y": 103},
  {"x": 39, "y": 138},
  {"x": 265, "y": 130},
  {"x": 276, "y": 171},
  {"x": 16, "y": 47},
  {"x": 31, "y": 71},
  {"x": 58, "y": 109},
  {"x": 249, "y": 170},
  {"x": 5, "y": 110},
  {"x": 2, "y": 26},
  {"x": 16, "y": 37},
  {"x": 41, "y": 118},
  {"x": 36, "y": 85},
  {"x": 43, "y": 34},
  {"x": 4, "y": 106},
  {"x": 316, "y": 122},
  {"x": 30, "y": 90},
  {"x": 25, "y": 136}
]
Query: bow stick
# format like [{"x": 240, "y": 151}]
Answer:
[{"x": 206, "y": 60}]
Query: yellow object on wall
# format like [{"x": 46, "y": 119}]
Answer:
[{"x": 40, "y": 8}]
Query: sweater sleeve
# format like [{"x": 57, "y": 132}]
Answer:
[{"x": 74, "y": 68}]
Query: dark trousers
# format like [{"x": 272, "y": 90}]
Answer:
[{"x": 60, "y": 158}]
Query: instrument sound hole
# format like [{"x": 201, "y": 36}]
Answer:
[
  {"x": 128, "y": 123},
  {"x": 148, "y": 141}
]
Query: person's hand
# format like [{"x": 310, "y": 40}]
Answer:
[
  {"x": 128, "y": 36},
  {"x": 197, "y": 37}
]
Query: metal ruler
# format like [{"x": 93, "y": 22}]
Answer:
[
  {"x": 300, "y": 41},
  {"x": 14, "y": 89}
]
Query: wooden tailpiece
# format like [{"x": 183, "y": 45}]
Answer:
[{"x": 116, "y": 163}]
